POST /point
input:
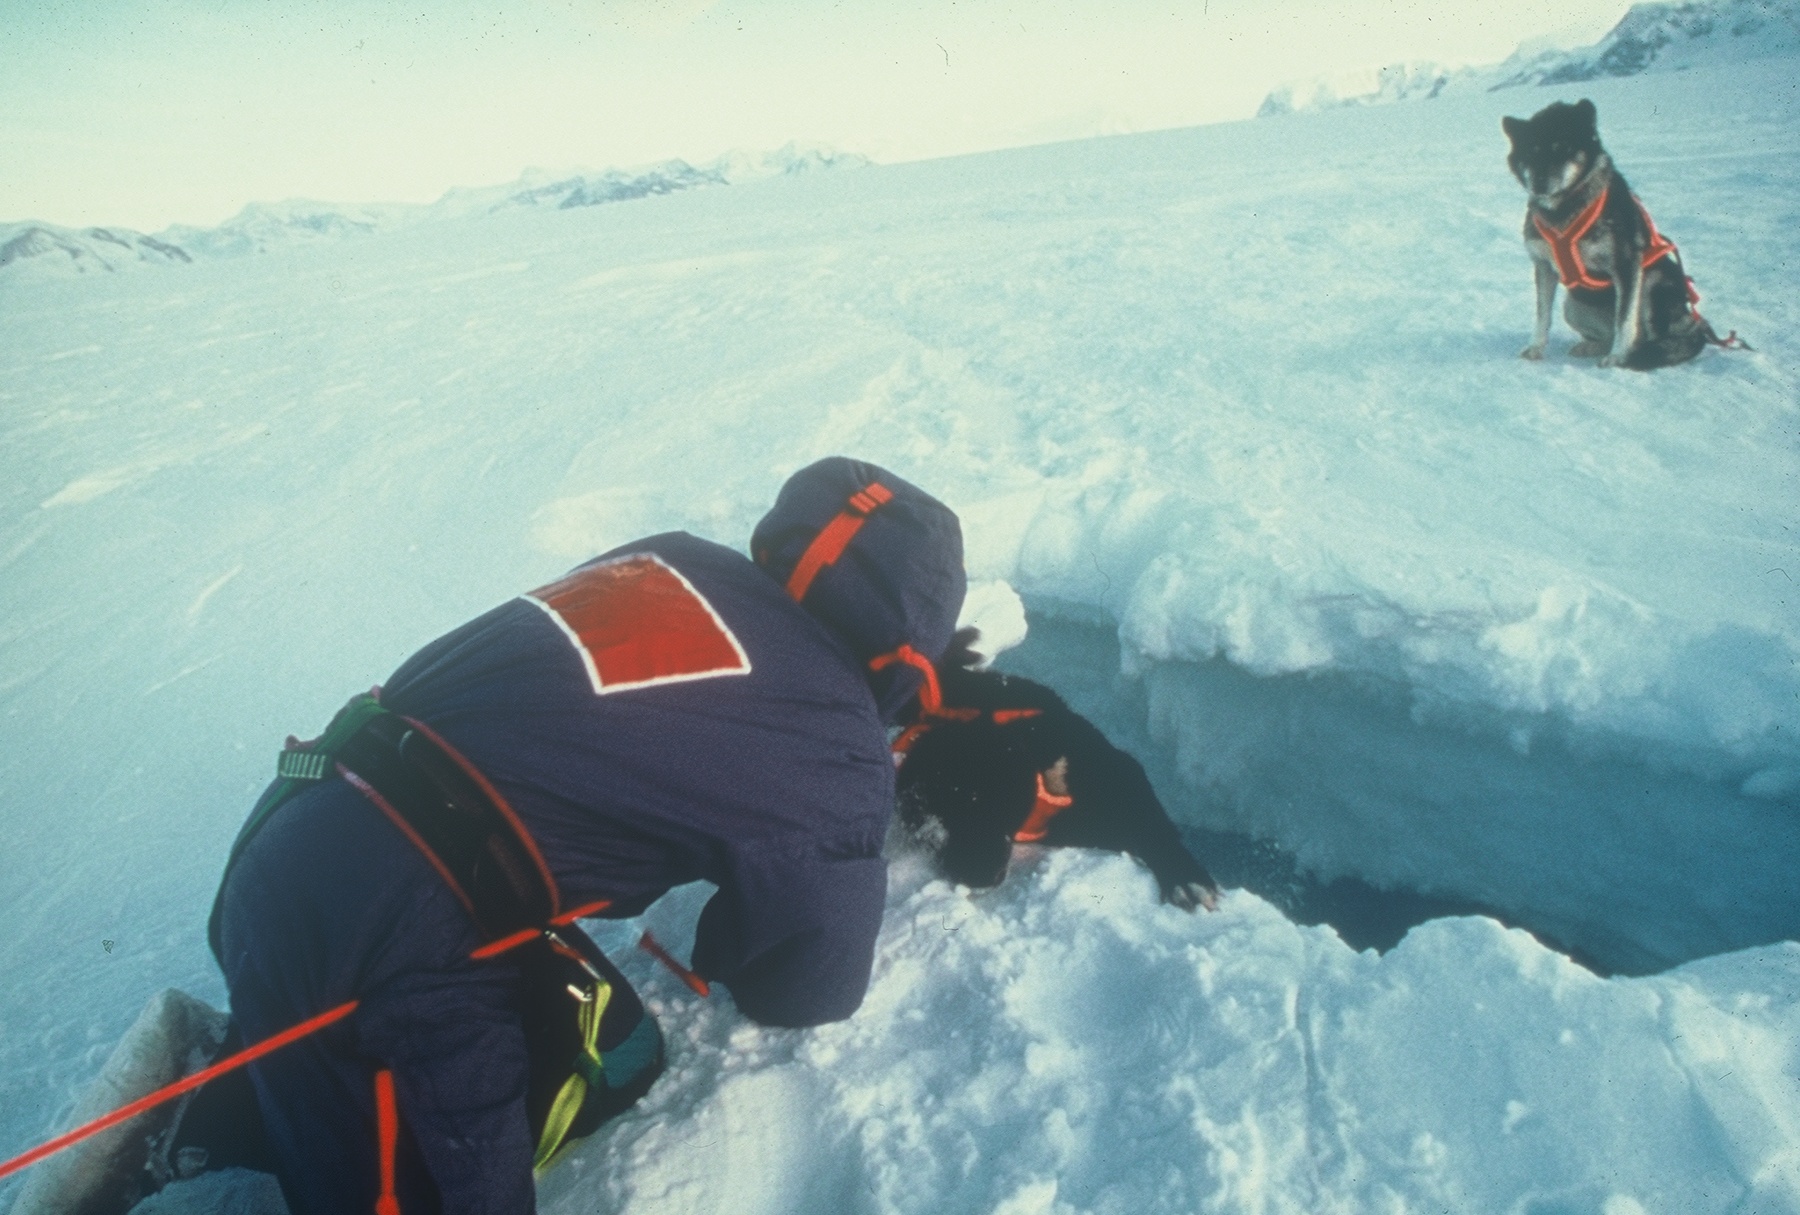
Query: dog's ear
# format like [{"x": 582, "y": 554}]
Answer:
[
  {"x": 962, "y": 651},
  {"x": 1514, "y": 127},
  {"x": 1584, "y": 110}
]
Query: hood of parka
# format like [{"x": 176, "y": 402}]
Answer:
[{"x": 899, "y": 579}]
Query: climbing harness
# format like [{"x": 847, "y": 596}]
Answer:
[
  {"x": 298, "y": 767},
  {"x": 466, "y": 830},
  {"x": 269, "y": 1045},
  {"x": 478, "y": 846}
]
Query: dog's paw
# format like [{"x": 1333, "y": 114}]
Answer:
[
  {"x": 1586, "y": 349},
  {"x": 1190, "y": 896},
  {"x": 1534, "y": 352},
  {"x": 930, "y": 832},
  {"x": 1612, "y": 360}
]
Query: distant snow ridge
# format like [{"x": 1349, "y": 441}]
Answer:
[
  {"x": 583, "y": 188},
  {"x": 260, "y": 227},
  {"x": 1670, "y": 37},
  {"x": 83, "y": 251},
  {"x": 1396, "y": 82},
  {"x": 1649, "y": 38}
]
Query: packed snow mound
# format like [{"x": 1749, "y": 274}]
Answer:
[
  {"x": 49, "y": 249},
  {"x": 1649, "y": 38},
  {"x": 1067, "y": 1044}
]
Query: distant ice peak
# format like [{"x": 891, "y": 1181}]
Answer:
[
  {"x": 81, "y": 250},
  {"x": 1667, "y": 37},
  {"x": 1652, "y": 37}
]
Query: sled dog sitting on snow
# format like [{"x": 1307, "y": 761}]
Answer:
[
  {"x": 1004, "y": 759},
  {"x": 1628, "y": 295}
]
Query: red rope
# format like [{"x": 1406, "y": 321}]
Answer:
[
  {"x": 387, "y": 1129},
  {"x": 649, "y": 945}
]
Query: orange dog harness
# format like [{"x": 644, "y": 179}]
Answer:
[
  {"x": 1047, "y": 807},
  {"x": 1565, "y": 243}
]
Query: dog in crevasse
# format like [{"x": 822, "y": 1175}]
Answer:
[
  {"x": 1002, "y": 760},
  {"x": 1628, "y": 295}
]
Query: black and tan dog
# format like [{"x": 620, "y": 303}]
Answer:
[
  {"x": 1628, "y": 295},
  {"x": 1004, "y": 760}
]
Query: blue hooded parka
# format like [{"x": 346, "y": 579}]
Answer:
[{"x": 667, "y": 713}]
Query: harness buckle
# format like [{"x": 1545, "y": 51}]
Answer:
[{"x": 302, "y": 765}]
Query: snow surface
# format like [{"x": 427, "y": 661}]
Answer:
[{"x": 1388, "y": 603}]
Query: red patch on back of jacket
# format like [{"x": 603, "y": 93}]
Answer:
[{"x": 636, "y": 622}]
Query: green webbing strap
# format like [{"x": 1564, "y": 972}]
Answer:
[
  {"x": 296, "y": 770},
  {"x": 589, "y": 1073}
]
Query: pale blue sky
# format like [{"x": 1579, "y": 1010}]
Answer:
[{"x": 143, "y": 114}]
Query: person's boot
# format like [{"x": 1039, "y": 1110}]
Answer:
[{"x": 110, "y": 1172}]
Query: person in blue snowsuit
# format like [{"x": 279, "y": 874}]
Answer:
[{"x": 670, "y": 712}]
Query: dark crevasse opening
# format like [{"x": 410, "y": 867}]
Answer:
[{"x": 1330, "y": 796}]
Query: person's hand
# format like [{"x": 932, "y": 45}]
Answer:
[{"x": 1191, "y": 895}]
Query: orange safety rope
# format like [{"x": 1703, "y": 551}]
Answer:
[
  {"x": 387, "y": 1129},
  {"x": 650, "y": 945},
  {"x": 494, "y": 948}
]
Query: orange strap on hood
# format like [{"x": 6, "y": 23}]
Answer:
[{"x": 835, "y": 536}]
